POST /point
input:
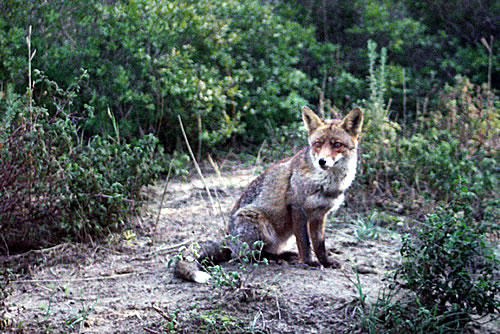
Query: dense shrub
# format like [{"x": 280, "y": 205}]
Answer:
[
  {"x": 54, "y": 186},
  {"x": 428, "y": 43},
  {"x": 450, "y": 267},
  {"x": 449, "y": 273},
  {"x": 224, "y": 66},
  {"x": 450, "y": 148},
  {"x": 448, "y": 278}
]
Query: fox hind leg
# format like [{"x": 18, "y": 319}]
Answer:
[
  {"x": 248, "y": 225},
  {"x": 214, "y": 252}
]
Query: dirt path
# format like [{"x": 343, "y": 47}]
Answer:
[{"x": 125, "y": 285}]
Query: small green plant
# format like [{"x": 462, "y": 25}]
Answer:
[
  {"x": 223, "y": 278},
  {"x": 79, "y": 317},
  {"x": 217, "y": 321},
  {"x": 446, "y": 280},
  {"x": 172, "y": 321},
  {"x": 366, "y": 228},
  {"x": 247, "y": 256},
  {"x": 48, "y": 308}
]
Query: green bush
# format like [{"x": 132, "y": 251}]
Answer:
[
  {"x": 430, "y": 48},
  {"x": 448, "y": 278},
  {"x": 103, "y": 179},
  {"x": 54, "y": 186},
  {"x": 451, "y": 148},
  {"x": 223, "y": 66},
  {"x": 450, "y": 267}
]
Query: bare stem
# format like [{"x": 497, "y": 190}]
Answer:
[
  {"x": 197, "y": 166},
  {"x": 163, "y": 196},
  {"x": 489, "y": 47}
]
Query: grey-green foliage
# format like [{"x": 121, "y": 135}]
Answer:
[
  {"x": 55, "y": 186},
  {"x": 451, "y": 147},
  {"x": 451, "y": 266}
]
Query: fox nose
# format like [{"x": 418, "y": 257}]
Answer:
[{"x": 325, "y": 163}]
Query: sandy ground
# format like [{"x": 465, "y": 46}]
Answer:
[{"x": 124, "y": 285}]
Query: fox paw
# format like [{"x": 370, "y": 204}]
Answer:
[
  {"x": 289, "y": 256},
  {"x": 331, "y": 263},
  {"x": 312, "y": 263}
]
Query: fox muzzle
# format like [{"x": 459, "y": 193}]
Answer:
[{"x": 328, "y": 162}]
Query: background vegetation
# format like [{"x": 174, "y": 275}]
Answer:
[{"x": 85, "y": 120}]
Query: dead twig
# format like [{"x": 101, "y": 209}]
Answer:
[
  {"x": 258, "y": 159},
  {"x": 489, "y": 47},
  {"x": 149, "y": 330},
  {"x": 278, "y": 307},
  {"x": 198, "y": 169},
  {"x": 217, "y": 171},
  {"x": 163, "y": 197},
  {"x": 169, "y": 248},
  {"x": 161, "y": 312},
  {"x": 219, "y": 174},
  {"x": 95, "y": 278}
]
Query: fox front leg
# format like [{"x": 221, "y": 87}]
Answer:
[
  {"x": 317, "y": 229},
  {"x": 301, "y": 231}
]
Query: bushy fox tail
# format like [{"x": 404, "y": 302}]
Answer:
[
  {"x": 190, "y": 271},
  {"x": 213, "y": 251}
]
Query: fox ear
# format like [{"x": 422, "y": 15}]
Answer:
[
  {"x": 311, "y": 120},
  {"x": 353, "y": 122}
]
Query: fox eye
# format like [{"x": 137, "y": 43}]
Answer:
[
  {"x": 317, "y": 144},
  {"x": 337, "y": 144}
]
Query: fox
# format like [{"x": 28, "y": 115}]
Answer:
[{"x": 290, "y": 199}]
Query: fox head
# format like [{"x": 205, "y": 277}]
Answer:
[{"x": 332, "y": 142}]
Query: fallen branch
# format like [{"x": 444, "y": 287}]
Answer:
[
  {"x": 39, "y": 251},
  {"x": 169, "y": 248}
]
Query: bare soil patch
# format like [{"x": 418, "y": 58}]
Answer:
[{"x": 124, "y": 285}]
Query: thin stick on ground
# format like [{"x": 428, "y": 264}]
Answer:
[
  {"x": 169, "y": 248},
  {"x": 197, "y": 166},
  {"x": 161, "y": 312},
  {"x": 163, "y": 197},
  {"x": 216, "y": 168},
  {"x": 83, "y": 279}
]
